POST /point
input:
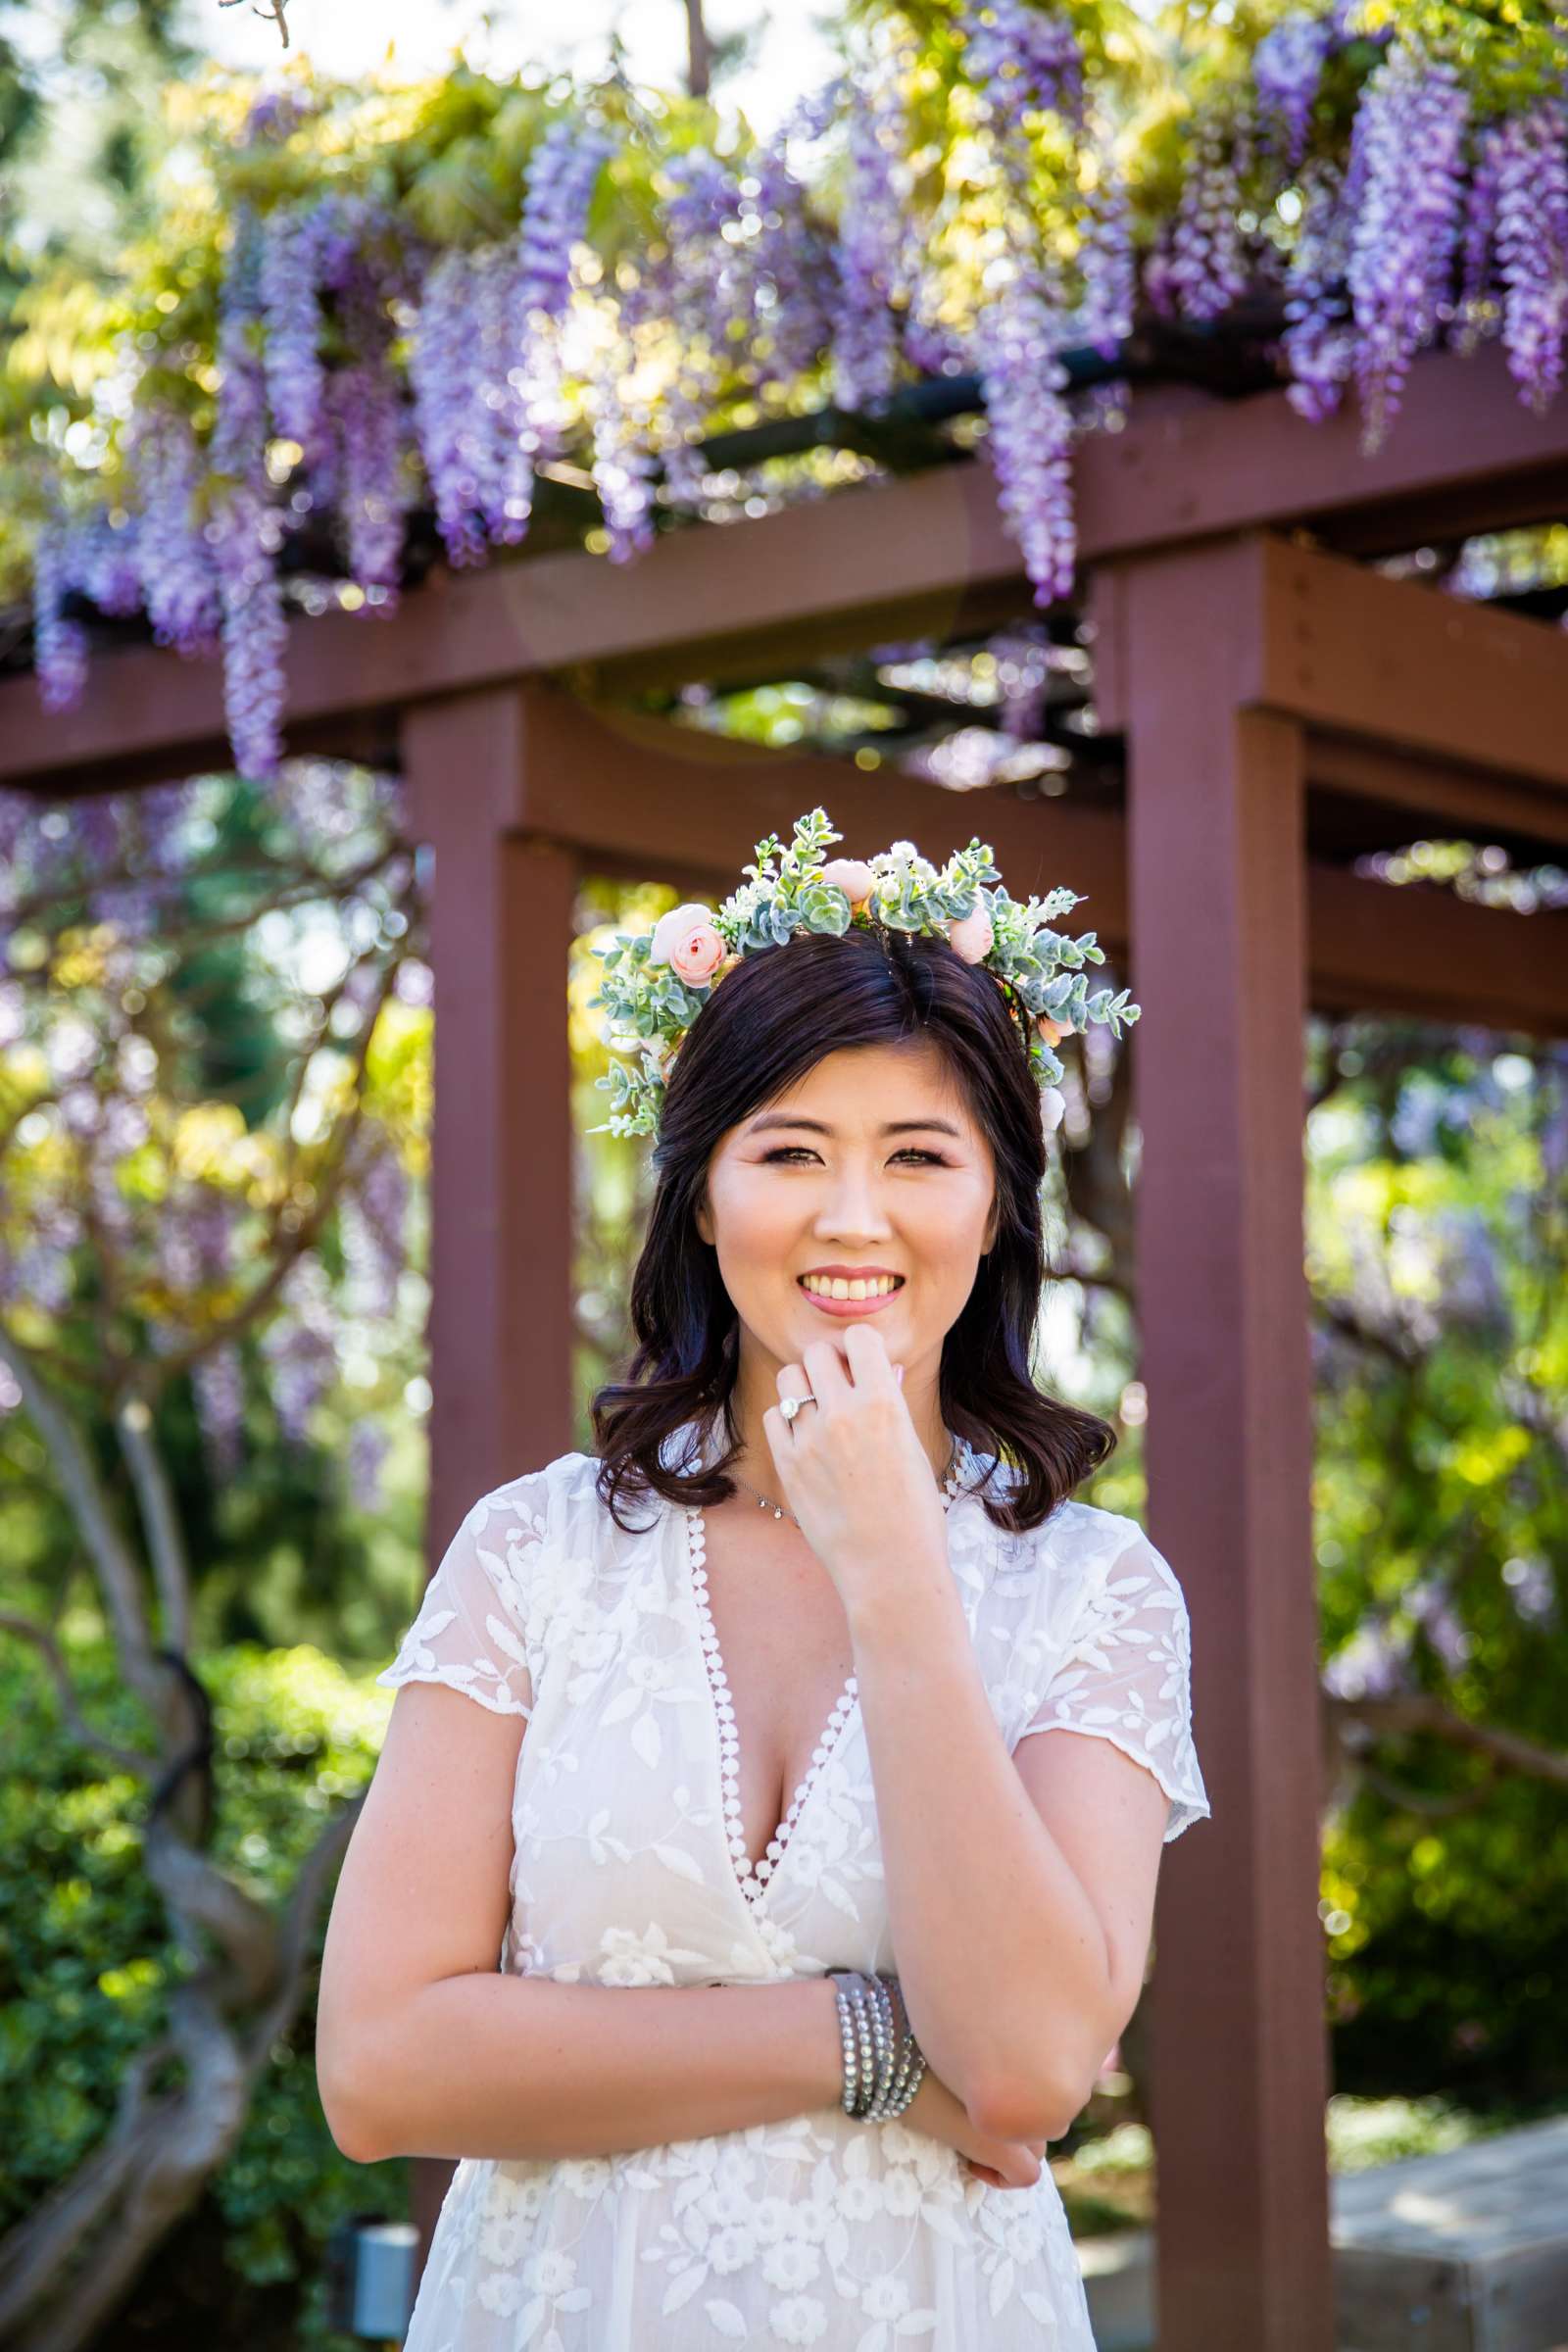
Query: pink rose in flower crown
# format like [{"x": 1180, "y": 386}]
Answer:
[
  {"x": 687, "y": 940},
  {"x": 855, "y": 879},
  {"x": 972, "y": 935}
]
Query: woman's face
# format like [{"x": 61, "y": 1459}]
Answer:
[{"x": 871, "y": 1164}]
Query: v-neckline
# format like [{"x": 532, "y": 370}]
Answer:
[{"x": 754, "y": 1878}]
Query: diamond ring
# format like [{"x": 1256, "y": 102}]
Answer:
[{"x": 789, "y": 1406}]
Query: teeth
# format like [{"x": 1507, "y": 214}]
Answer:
[{"x": 836, "y": 1287}]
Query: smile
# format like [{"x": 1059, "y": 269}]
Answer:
[{"x": 836, "y": 1297}]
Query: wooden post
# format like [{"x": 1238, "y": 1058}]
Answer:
[
  {"x": 1217, "y": 903},
  {"x": 502, "y": 1153}
]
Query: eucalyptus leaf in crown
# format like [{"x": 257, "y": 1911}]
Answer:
[{"x": 655, "y": 983}]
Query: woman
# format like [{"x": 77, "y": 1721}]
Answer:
[{"x": 786, "y": 1724}]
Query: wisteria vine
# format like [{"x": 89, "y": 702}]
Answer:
[{"x": 392, "y": 368}]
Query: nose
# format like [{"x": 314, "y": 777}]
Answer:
[{"x": 853, "y": 1210}]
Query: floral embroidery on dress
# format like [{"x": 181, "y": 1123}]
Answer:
[{"x": 821, "y": 2229}]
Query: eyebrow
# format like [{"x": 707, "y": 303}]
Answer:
[{"x": 785, "y": 1118}]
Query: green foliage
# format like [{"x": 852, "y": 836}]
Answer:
[
  {"x": 1436, "y": 1239},
  {"x": 86, "y": 1968}
]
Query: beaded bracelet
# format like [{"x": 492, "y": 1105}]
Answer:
[{"x": 883, "y": 2064}]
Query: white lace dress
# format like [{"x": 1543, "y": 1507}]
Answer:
[{"x": 823, "y": 2230}]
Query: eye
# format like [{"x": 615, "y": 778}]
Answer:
[{"x": 784, "y": 1152}]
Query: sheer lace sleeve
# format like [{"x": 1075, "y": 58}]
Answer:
[
  {"x": 1125, "y": 1672},
  {"x": 471, "y": 1630}
]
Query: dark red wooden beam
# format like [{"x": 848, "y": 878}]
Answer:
[
  {"x": 1325, "y": 641},
  {"x": 636, "y": 796},
  {"x": 1219, "y": 917}
]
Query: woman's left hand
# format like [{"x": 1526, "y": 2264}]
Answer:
[{"x": 852, "y": 1466}]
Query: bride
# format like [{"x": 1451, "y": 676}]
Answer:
[{"x": 811, "y": 1939}]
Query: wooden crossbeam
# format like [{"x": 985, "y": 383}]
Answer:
[
  {"x": 922, "y": 555},
  {"x": 635, "y": 795},
  {"x": 1322, "y": 639}
]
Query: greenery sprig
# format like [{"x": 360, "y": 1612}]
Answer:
[{"x": 655, "y": 983}]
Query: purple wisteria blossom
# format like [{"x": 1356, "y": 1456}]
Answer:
[
  {"x": 485, "y": 364},
  {"x": 445, "y": 418},
  {"x": 1287, "y": 70},
  {"x": 505, "y": 437},
  {"x": 622, "y": 431},
  {"x": 1531, "y": 1588},
  {"x": 1318, "y": 343},
  {"x": 367, "y": 1449},
  {"x": 1029, "y": 429},
  {"x": 288, "y": 283},
  {"x": 366, "y": 413},
  {"x": 104, "y": 560},
  {"x": 273, "y": 115},
  {"x": 373, "y": 1258},
  {"x": 1412, "y": 123},
  {"x": 239, "y": 434},
  {"x": 1108, "y": 266},
  {"x": 218, "y": 1387},
  {"x": 872, "y": 240},
  {"x": 1433, "y": 1609},
  {"x": 299, "y": 1348},
  {"x": 1532, "y": 241},
  {"x": 180, "y": 585},
  {"x": 791, "y": 263},
  {"x": 563, "y": 174},
  {"x": 196, "y": 1239},
  {"x": 700, "y": 285},
  {"x": 1476, "y": 308},
  {"x": 162, "y": 813},
  {"x": 1370, "y": 1665},
  {"x": 59, "y": 645},
  {"x": 1026, "y": 59},
  {"x": 1206, "y": 269},
  {"x": 245, "y": 533}
]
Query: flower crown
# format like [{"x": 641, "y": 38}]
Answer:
[{"x": 656, "y": 982}]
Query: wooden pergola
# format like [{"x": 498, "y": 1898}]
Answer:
[{"x": 1283, "y": 709}]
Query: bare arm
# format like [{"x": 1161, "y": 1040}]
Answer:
[
  {"x": 973, "y": 1868},
  {"x": 425, "y": 2047},
  {"x": 511, "y": 2066}
]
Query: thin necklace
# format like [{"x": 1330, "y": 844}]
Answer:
[{"x": 779, "y": 1510}]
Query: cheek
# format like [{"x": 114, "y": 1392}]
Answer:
[
  {"x": 752, "y": 1223},
  {"x": 947, "y": 1226}
]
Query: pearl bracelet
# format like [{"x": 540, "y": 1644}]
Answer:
[{"x": 883, "y": 2063}]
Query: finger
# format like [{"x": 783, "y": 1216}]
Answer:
[
  {"x": 827, "y": 1369},
  {"x": 781, "y": 1443},
  {"x": 866, "y": 1351}
]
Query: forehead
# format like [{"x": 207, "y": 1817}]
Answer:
[{"x": 867, "y": 1089}]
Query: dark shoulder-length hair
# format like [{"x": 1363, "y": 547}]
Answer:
[{"x": 772, "y": 1018}]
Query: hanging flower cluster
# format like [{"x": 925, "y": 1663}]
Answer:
[{"x": 377, "y": 349}]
